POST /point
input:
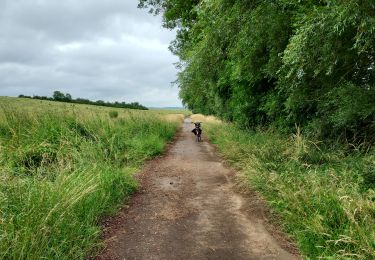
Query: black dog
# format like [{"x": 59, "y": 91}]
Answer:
[{"x": 197, "y": 131}]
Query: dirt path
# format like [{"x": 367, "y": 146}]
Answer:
[{"x": 188, "y": 208}]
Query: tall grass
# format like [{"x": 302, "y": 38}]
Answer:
[
  {"x": 63, "y": 169},
  {"x": 323, "y": 194}
]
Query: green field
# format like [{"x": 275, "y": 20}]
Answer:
[
  {"x": 322, "y": 194},
  {"x": 65, "y": 166}
]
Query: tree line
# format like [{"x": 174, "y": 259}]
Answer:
[
  {"x": 277, "y": 63},
  {"x": 61, "y": 97}
]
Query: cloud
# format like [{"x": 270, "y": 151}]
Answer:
[{"x": 95, "y": 49}]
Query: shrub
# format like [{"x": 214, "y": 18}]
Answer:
[{"x": 113, "y": 114}]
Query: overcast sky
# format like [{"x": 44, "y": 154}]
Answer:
[{"x": 96, "y": 49}]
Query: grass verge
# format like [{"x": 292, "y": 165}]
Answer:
[{"x": 324, "y": 195}]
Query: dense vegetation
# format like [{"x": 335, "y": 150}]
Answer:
[
  {"x": 62, "y": 167},
  {"x": 280, "y": 63},
  {"x": 61, "y": 97},
  {"x": 322, "y": 197}
]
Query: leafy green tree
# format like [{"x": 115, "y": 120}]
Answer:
[
  {"x": 280, "y": 62},
  {"x": 58, "y": 96},
  {"x": 68, "y": 97},
  {"x": 328, "y": 69}
]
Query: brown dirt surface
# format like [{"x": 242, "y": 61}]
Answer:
[{"x": 190, "y": 207}]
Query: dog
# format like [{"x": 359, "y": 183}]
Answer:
[{"x": 197, "y": 131}]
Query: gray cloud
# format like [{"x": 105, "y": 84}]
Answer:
[{"x": 95, "y": 49}]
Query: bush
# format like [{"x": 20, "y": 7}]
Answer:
[{"x": 113, "y": 114}]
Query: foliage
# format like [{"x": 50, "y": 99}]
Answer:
[
  {"x": 62, "y": 168},
  {"x": 61, "y": 97},
  {"x": 113, "y": 114},
  {"x": 279, "y": 63},
  {"x": 324, "y": 196}
]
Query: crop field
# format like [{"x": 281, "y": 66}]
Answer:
[
  {"x": 323, "y": 194},
  {"x": 63, "y": 167}
]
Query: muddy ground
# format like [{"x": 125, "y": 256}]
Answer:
[{"x": 189, "y": 207}]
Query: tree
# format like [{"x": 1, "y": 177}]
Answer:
[
  {"x": 58, "y": 96},
  {"x": 68, "y": 97},
  {"x": 279, "y": 63}
]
